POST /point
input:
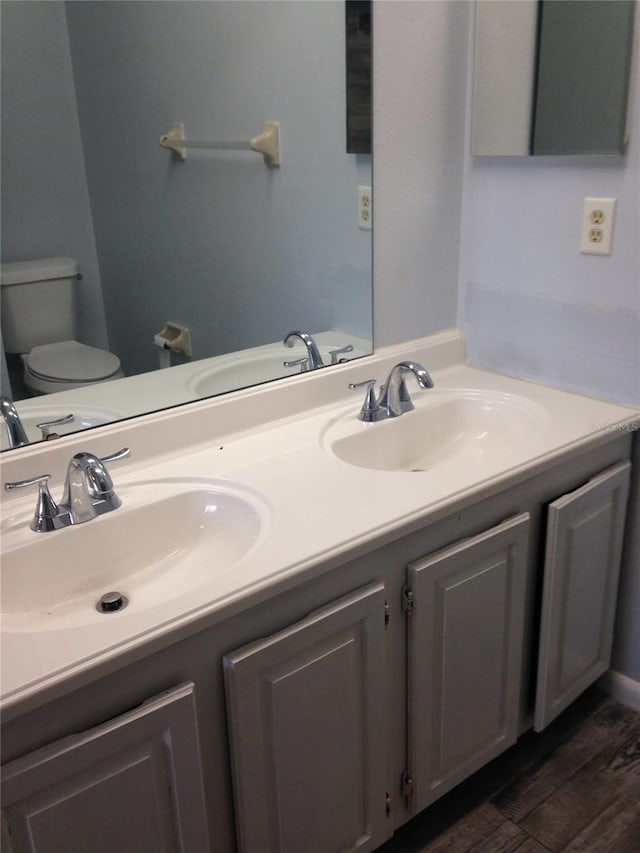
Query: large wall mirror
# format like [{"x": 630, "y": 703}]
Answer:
[
  {"x": 551, "y": 77},
  {"x": 236, "y": 251}
]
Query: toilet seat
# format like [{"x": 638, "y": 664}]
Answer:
[{"x": 69, "y": 363}]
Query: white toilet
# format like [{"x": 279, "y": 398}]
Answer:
[{"x": 38, "y": 322}]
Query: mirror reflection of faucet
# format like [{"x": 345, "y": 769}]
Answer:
[
  {"x": 394, "y": 399},
  {"x": 16, "y": 433},
  {"x": 313, "y": 353},
  {"x": 313, "y": 358}
]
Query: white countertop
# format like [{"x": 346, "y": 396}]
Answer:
[{"x": 317, "y": 510}]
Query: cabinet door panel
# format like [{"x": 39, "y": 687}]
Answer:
[
  {"x": 307, "y": 728},
  {"x": 582, "y": 565},
  {"x": 465, "y": 656},
  {"x": 132, "y": 784}
]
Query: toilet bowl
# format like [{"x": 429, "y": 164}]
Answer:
[
  {"x": 39, "y": 325},
  {"x": 66, "y": 365}
]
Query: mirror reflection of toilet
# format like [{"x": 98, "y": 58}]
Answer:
[{"x": 39, "y": 323}]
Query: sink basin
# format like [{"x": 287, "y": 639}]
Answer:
[
  {"x": 465, "y": 427},
  {"x": 246, "y": 370},
  {"x": 168, "y": 537},
  {"x": 30, "y": 415}
]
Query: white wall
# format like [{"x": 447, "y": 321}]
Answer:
[{"x": 45, "y": 202}]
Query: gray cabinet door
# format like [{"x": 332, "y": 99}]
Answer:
[
  {"x": 131, "y": 785},
  {"x": 465, "y": 656},
  {"x": 582, "y": 564},
  {"x": 306, "y": 711}
]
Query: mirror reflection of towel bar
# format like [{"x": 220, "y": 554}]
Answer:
[{"x": 266, "y": 143}]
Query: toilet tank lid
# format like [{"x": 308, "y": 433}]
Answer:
[{"x": 20, "y": 272}]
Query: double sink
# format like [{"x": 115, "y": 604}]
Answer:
[{"x": 172, "y": 535}]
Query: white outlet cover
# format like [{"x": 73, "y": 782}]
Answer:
[
  {"x": 598, "y": 216},
  {"x": 365, "y": 208}
]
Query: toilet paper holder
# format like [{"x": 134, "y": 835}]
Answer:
[{"x": 175, "y": 338}]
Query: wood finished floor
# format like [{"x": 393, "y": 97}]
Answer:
[{"x": 573, "y": 788}]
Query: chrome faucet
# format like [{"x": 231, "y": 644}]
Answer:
[
  {"x": 15, "y": 431},
  {"x": 88, "y": 492},
  {"x": 88, "y": 488},
  {"x": 394, "y": 399},
  {"x": 314, "y": 359}
]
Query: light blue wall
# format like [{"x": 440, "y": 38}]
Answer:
[
  {"x": 238, "y": 252},
  {"x": 531, "y": 304},
  {"x": 45, "y": 202}
]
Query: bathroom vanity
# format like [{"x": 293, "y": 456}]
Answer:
[{"x": 398, "y": 620}]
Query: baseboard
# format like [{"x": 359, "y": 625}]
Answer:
[{"x": 622, "y": 688}]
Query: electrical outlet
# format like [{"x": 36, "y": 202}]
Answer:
[
  {"x": 597, "y": 226},
  {"x": 365, "y": 208}
]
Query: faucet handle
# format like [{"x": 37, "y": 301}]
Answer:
[
  {"x": 45, "y": 426},
  {"x": 48, "y": 516},
  {"x": 32, "y": 481},
  {"x": 303, "y": 362},
  {"x": 119, "y": 454},
  {"x": 334, "y": 353},
  {"x": 370, "y": 410}
]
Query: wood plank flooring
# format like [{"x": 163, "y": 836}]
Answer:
[{"x": 573, "y": 788}]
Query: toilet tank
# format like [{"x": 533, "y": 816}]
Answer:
[{"x": 37, "y": 303}]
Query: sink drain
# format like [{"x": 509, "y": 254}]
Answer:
[{"x": 112, "y": 602}]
